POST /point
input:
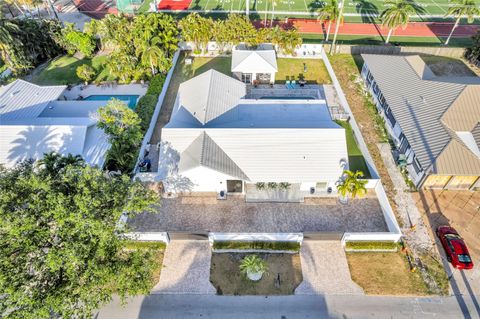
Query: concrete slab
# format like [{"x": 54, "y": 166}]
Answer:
[
  {"x": 325, "y": 270},
  {"x": 186, "y": 268}
]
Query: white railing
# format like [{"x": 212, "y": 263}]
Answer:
[
  {"x": 371, "y": 237},
  {"x": 153, "y": 121}
]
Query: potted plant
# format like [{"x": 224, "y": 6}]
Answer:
[
  {"x": 350, "y": 184},
  {"x": 253, "y": 267}
]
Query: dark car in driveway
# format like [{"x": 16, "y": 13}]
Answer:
[{"x": 455, "y": 247}]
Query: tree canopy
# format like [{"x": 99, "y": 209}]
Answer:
[{"x": 61, "y": 252}]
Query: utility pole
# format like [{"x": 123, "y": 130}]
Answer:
[{"x": 340, "y": 15}]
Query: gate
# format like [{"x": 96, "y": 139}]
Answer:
[
  {"x": 316, "y": 236},
  {"x": 188, "y": 235}
]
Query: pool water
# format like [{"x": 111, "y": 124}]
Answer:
[{"x": 130, "y": 100}]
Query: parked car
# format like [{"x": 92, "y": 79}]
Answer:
[{"x": 455, "y": 248}]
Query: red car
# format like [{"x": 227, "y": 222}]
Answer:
[{"x": 457, "y": 251}]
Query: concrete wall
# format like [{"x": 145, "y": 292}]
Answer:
[
  {"x": 381, "y": 49},
  {"x": 290, "y": 237}
]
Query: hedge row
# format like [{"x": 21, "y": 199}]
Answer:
[
  {"x": 146, "y": 104},
  {"x": 257, "y": 245},
  {"x": 156, "y": 245},
  {"x": 371, "y": 245}
]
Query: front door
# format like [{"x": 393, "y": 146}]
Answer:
[{"x": 247, "y": 77}]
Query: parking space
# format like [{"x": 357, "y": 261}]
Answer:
[
  {"x": 461, "y": 210},
  {"x": 206, "y": 213}
]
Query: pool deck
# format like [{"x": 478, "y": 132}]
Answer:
[{"x": 113, "y": 89}]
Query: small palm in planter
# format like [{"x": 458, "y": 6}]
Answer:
[
  {"x": 253, "y": 267},
  {"x": 351, "y": 185}
]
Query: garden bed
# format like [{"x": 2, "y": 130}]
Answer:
[
  {"x": 226, "y": 277},
  {"x": 361, "y": 246},
  {"x": 257, "y": 245}
]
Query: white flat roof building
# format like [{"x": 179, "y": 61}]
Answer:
[{"x": 33, "y": 122}]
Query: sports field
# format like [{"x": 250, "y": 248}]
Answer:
[{"x": 355, "y": 11}]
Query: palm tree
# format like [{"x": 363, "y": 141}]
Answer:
[
  {"x": 152, "y": 55},
  {"x": 398, "y": 14},
  {"x": 351, "y": 185},
  {"x": 328, "y": 13},
  {"x": 339, "y": 20},
  {"x": 461, "y": 8},
  {"x": 253, "y": 267}
]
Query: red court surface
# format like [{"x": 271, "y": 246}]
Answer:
[
  {"x": 174, "y": 4},
  {"x": 414, "y": 29}
]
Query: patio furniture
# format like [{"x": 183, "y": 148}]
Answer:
[
  {"x": 293, "y": 84},
  {"x": 287, "y": 84},
  {"x": 145, "y": 165},
  {"x": 302, "y": 82},
  {"x": 402, "y": 160}
]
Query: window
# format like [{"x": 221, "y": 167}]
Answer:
[
  {"x": 247, "y": 77},
  {"x": 416, "y": 165}
]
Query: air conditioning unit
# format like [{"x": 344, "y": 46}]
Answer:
[{"x": 222, "y": 195}]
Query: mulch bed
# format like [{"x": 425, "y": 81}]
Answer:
[{"x": 225, "y": 274}]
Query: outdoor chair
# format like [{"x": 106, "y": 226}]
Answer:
[
  {"x": 287, "y": 84},
  {"x": 294, "y": 84}
]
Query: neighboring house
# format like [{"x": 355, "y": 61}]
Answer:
[
  {"x": 217, "y": 140},
  {"x": 254, "y": 65},
  {"x": 434, "y": 121},
  {"x": 33, "y": 121}
]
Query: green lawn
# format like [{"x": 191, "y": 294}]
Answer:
[
  {"x": 355, "y": 157},
  {"x": 292, "y": 69},
  {"x": 62, "y": 70}
]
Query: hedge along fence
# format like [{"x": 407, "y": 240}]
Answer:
[
  {"x": 380, "y": 246},
  {"x": 146, "y": 104},
  {"x": 257, "y": 245}
]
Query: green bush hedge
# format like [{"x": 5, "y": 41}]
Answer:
[
  {"x": 371, "y": 245},
  {"x": 145, "y": 108},
  {"x": 156, "y": 84},
  {"x": 260, "y": 245},
  {"x": 156, "y": 245}
]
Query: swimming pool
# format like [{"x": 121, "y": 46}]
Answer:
[{"x": 130, "y": 100}]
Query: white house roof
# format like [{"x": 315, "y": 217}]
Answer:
[
  {"x": 21, "y": 99},
  {"x": 260, "y": 140},
  {"x": 259, "y": 61},
  {"x": 210, "y": 94},
  {"x": 33, "y": 122}
]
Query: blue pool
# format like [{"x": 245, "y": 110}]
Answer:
[{"x": 130, "y": 100}]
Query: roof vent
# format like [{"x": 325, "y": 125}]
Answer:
[{"x": 423, "y": 99}]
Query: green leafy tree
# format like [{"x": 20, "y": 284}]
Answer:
[
  {"x": 352, "y": 185},
  {"x": 197, "y": 29},
  {"x": 472, "y": 54},
  {"x": 459, "y": 9},
  {"x": 329, "y": 12},
  {"x": 397, "y": 14},
  {"x": 79, "y": 41},
  {"x": 62, "y": 254},
  {"x": 86, "y": 73},
  {"x": 123, "y": 126}
]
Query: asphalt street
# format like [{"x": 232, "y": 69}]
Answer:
[{"x": 290, "y": 307}]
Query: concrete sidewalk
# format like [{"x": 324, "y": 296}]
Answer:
[{"x": 186, "y": 268}]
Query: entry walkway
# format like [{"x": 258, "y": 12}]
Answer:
[
  {"x": 186, "y": 268},
  {"x": 325, "y": 270}
]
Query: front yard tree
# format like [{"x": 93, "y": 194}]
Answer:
[
  {"x": 397, "y": 14},
  {"x": 351, "y": 185},
  {"x": 86, "y": 73},
  {"x": 459, "y": 9},
  {"x": 61, "y": 250}
]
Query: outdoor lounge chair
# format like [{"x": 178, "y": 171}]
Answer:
[
  {"x": 287, "y": 84},
  {"x": 293, "y": 84}
]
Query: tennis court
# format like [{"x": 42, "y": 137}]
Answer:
[{"x": 355, "y": 11}]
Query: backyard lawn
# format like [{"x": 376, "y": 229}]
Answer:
[
  {"x": 62, "y": 70},
  {"x": 293, "y": 69},
  {"x": 355, "y": 156}
]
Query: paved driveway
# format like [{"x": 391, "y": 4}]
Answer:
[
  {"x": 325, "y": 270},
  {"x": 235, "y": 215},
  {"x": 186, "y": 268}
]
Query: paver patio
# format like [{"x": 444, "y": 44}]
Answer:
[{"x": 235, "y": 215}]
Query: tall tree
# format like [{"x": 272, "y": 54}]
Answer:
[
  {"x": 62, "y": 253},
  {"x": 397, "y": 14},
  {"x": 330, "y": 13},
  {"x": 197, "y": 29},
  {"x": 339, "y": 19},
  {"x": 459, "y": 9}
]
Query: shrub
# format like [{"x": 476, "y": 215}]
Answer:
[
  {"x": 284, "y": 185},
  {"x": 79, "y": 41},
  {"x": 272, "y": 185},
  {"x": 371, "y": 245},
  {"x": 145, "y": 108},
  {"x": 156, "y": 245},
  {"x": 156, "y": 84},
  {"x": 257, "y": 245},
  {"x": 253, "y": 264},
  {"x": 260, "y": 185}
]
